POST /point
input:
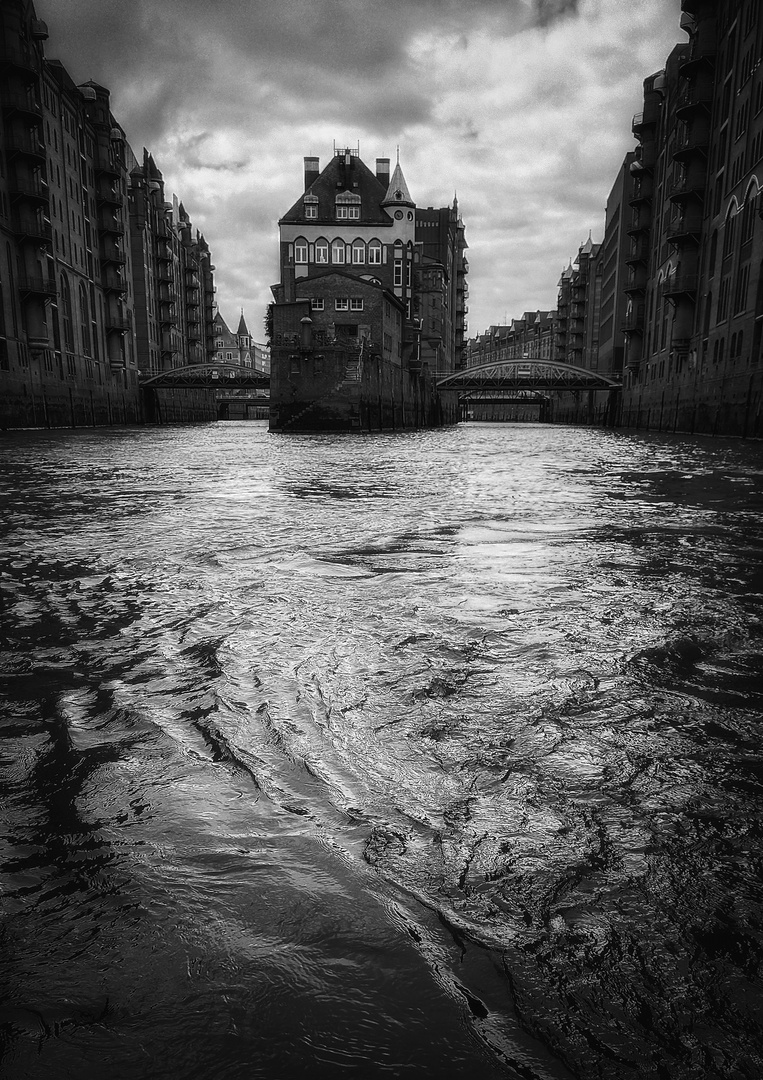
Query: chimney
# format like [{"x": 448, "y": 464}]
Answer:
[
  {"x": 312, "y": 169},
  {"x": 382, "y": 171}
]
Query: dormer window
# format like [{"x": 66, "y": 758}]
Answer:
[
  {"x": 347, "y": 206},
  {"x": 311, "y": 206}
]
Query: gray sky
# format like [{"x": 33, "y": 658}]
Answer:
[{"x": 522, "y": 107}]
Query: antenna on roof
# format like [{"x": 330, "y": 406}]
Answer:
[{"x": 398, "y": 153}]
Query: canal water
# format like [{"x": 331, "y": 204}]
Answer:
[{"x": 431, "y": 754}]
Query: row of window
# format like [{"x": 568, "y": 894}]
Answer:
[
  {"x": 341, "y": 303},
  {"x": 358, "y": 253}
]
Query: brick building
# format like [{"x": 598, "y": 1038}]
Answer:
[{"x": 100, "y": 278}]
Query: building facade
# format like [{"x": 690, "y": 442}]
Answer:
[
  {"x": 696, "y": 365},
  {"x": 357, "y": 297},
  {"x": 239, "y": 348},
  {"x": 673, "y": 297},
  {"x": 100, "y": 279}
]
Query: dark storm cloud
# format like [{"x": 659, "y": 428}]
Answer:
[{"x": 156, "y": 57}]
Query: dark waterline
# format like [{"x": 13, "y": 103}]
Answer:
[{"x": 433, "y": 754}]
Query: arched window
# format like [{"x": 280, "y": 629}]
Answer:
[
  {"x": 321, "y": 250},
  {"x": 84, "y": 321},
  {"x": 337, "y": 251},
  {"x": 740, "y": 338},
  {"x": 300, "y": 250},
  {"x": 358, "y": 252},
  {"x": 66, "y": 314},
  {"x": 375, "y": 253}
]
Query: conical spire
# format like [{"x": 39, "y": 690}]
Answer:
[
  {"x": 397, "y": 192},
  {"x": 242, "y": 327}
]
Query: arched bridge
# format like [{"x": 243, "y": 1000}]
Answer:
[
  {"x": 210, "y": 376},
  {"x": 526, "y": 374}
]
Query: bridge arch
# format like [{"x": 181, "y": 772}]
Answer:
[
  {"x": 528, "y": 374},
  {"x": 211, "y": 375}
]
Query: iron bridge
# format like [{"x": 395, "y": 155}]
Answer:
[
  {"x": 210, "y": 377},
  {"x": 527, "y": 374}
]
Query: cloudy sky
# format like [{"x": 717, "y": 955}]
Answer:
[{"x": 521, "y": 107}]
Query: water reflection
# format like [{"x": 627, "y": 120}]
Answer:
[{"x": 436, "y": 752}]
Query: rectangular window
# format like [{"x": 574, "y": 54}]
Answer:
[
  {"x": 348, "y": 212},
  {"x": 342, "y": 303},
  {"x": 317, "y": 304},
  {"x": 356, "y": 304},
  {"x": 374, "y": 254},
  {"x": 311, "y": 211},
  {"x": 398, "y": 272},
  {"x": 300, "y": 251}
]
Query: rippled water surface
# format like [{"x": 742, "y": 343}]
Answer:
[{"x": 433, "y": 754}]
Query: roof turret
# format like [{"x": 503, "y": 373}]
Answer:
[{"x": 397, "y": 192}]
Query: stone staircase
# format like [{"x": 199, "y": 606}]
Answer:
[{"x": 352, "y": 374}]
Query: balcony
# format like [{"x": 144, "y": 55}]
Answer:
[
  {"x": 108, "y": 196},
  {"x": 38, "y": 232},
  {"x": 22, "y": 105},
  {"x": 31, "y": 188},
  {"x": 680, "y": 284},
  {"x": 685, "y": 230},
  {"x": 106, "y": 165},
  {"x": 646, "y": 119},
  {"x": 634, "y": 320},
  {"x": 639, "y": 252},
  {"x": 685, "y": 148},
  {"x": 163, "y": 251},
  {"x": 114, "y": 257},
  {"x": 110, "y": 225},
  {"x": 113, "y": 282},
  {"x": 26, "y": 145},
  {"x": 165, "y": 273},
  {"x": 37, "y": 286},
  {"x": 700, "y": 57},
  {"x": 117, "y": 324},
  {"x": 24, "y": 64},
  {"x": 686, "y": 187},
  {"x": 637, "y": 278},
  {"x": 640, "y": 223},
  {"x": 693, "y": 99},
  {"x": 645, "y": 158}
]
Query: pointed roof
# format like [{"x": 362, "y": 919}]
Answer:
[
  {"x": 220, "y": 321},
  {"x": 397, "y": 192},
  {"x": 242, "y": 327}
]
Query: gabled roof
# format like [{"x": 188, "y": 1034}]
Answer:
[
  {"x": 353, "y": 279},
  {"x": 338, "y": 177}
]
